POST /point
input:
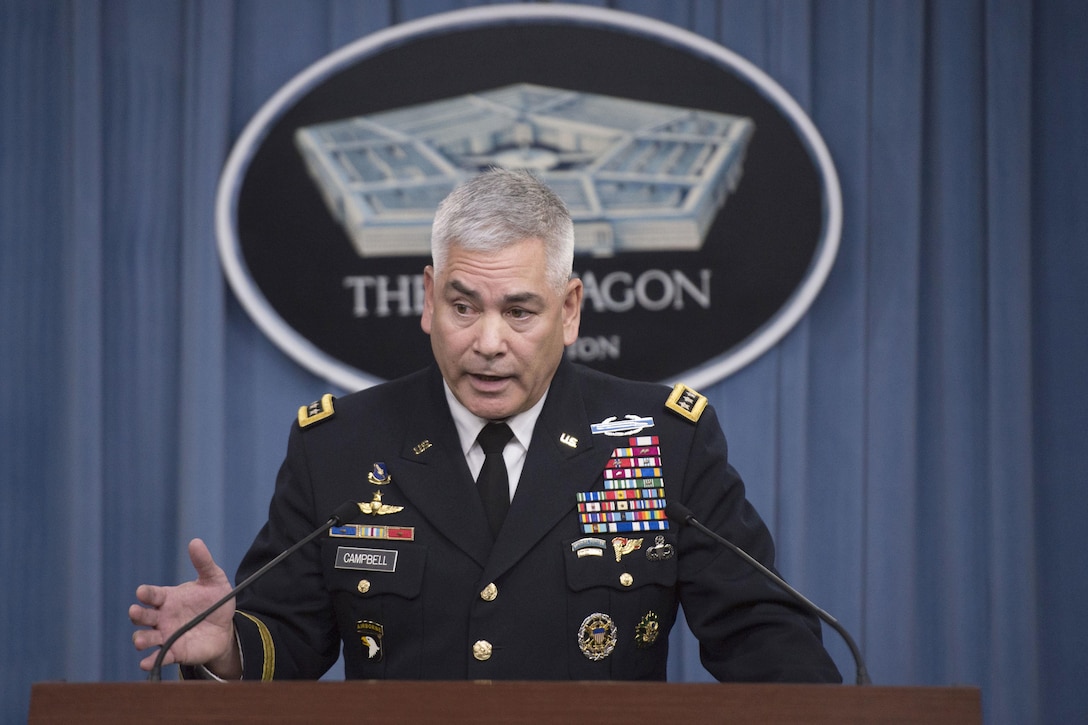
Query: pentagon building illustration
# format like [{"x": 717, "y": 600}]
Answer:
[{"x": 636, "y": 176}]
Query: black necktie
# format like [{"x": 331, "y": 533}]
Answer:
[{"x": 493, "y": 481}]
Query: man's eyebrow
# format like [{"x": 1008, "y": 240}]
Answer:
[
  {"x": 462, "y": 289},
  {"x": 521, "y": 298},
  {"x": 513, "y": 299}
]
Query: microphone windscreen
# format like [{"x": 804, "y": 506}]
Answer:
[
  {"x": 345, "y": 511},
  {"x": 678, "y": 512}
]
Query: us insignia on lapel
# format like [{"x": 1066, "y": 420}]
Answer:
[{"x": 686, "y": 402}]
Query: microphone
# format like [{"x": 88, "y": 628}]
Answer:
[
  {"x": 682, "y": 515},
  {"x": 345, "y": 511}
]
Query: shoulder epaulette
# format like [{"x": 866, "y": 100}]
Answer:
[
  {"x": 316, "y": 411},
  {"x": 686, "y": 402}
]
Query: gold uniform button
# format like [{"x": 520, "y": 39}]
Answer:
[
  {"x": 626, "y": 579},
  {"x": 482, "y": 650},
  {"x": 364, "y": 586},
  {"x": 490, "y": 592}
]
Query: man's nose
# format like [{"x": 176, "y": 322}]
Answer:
[{"x": 491, "y": 335}]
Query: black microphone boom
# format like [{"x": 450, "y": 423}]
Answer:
[
  {"x": 682, "y": 515},
  {"x": 345, "y": 511}
]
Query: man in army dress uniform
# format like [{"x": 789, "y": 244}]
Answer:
[{"x": 510, "y": 503}]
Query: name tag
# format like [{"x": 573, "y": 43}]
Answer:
[{"x": 350, "y": 557}]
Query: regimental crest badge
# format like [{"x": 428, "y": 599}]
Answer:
[{"x": 379, "y": 475}]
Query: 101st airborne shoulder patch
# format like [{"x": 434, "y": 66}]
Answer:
[
  {"x": 316, "y": 411},
  {"x": 686, "y": 402}
]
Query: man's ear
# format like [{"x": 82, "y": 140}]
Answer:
[
  {"x": 428, "y": 299},
  {"x": 572, "y": 311}
]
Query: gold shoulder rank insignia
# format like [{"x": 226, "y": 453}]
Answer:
[
  {"x": 315, "y": 411},
  {"x": 686, "y": 402}
]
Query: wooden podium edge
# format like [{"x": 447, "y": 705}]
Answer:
[{"x": 500, "y": 702}]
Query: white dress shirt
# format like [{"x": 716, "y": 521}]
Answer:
[{"x": 470, "y": 425}]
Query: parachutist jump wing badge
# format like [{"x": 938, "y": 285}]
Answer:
[
  {"x": 660, "y": 550},
  {"x": 375, "y": 507}
]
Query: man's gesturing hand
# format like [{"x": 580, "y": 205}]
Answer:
[{"x": 165, "y": 609}]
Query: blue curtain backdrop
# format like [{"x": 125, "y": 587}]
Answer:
[{"x": 917, "y": 443}]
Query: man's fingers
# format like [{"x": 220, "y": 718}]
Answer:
[
  {"x": 143, "y": 616},
  {"x": 144, "y": 638},
  {"x": 150, "y": 595},
  {"x": 162, "y": 609},
  {"x": 148, "y": 662},
  {"x": 205, "y": 565}
]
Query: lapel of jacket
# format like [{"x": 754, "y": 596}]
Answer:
[
  {"x": 435, "y": 477},
  {"x": 555, "y": 470}
]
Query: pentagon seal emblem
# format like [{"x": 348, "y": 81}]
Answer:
[{"x": 675, "y": 155}]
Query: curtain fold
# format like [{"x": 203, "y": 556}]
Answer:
[
  {"x": 1013, "y": 653},
  {"x": 893, "y": 176},
  {"x": 81, "y": 366},
  {"x": 916, "y": 443}
]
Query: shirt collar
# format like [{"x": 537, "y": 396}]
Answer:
[{"x": 469, "y": 425}]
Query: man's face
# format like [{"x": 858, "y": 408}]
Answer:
[{"x": 497, "y": 327}]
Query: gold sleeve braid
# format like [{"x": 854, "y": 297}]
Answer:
[{"x": 269, "y": 668}]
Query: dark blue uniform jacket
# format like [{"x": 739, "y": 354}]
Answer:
[{"x": 436, "y": 598}]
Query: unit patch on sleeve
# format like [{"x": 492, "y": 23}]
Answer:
[
  {"x": 316, "y": 411},
  {"x": 686, "y": 402}
]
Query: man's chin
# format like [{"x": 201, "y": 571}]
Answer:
[{"x": 489, "y": 405}]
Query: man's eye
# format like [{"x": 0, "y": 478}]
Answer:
[
  {"x": 519, "y": 314},
  {"x": 460, "y": 308}
]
